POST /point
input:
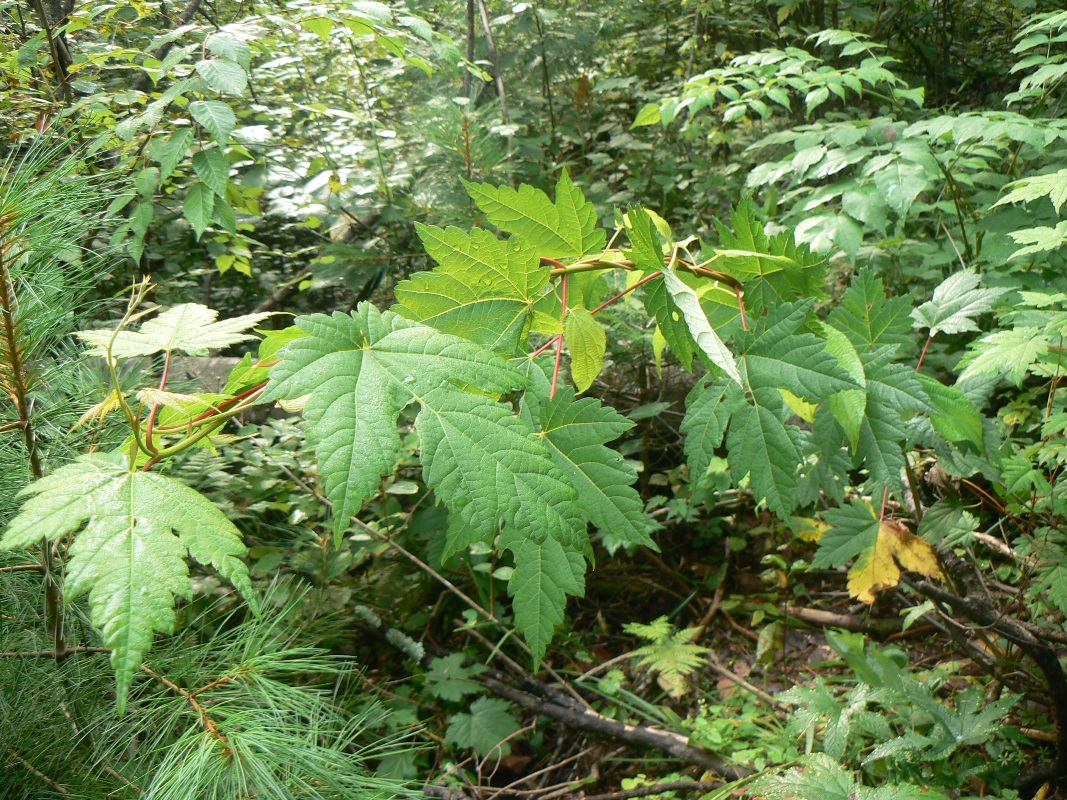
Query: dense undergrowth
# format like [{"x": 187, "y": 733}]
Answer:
[{"x": 564, "y": 400}]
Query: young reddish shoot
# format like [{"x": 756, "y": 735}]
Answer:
[
  {"x": 155, "y": 406},
  {"x": 546, "y": 345},
  {"x": 625, "y": 292},
  {"x": 922, "y": 355},
  {"x": 741, "y": 308}
]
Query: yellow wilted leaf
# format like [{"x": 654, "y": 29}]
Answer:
[
  {"x": 877, "y": 568},
  {"x": 807, "y": 529},
  {"x": 100, "y": 410}
]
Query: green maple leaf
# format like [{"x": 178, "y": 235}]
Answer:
[
  {"x": 646, "y": 243},
  {"x": 188, "y": 328},
  {"x": 361, "y": 370},
  {"x": 766, "y": 450},
  {"x": 545, "y": 573},
  {"x": 708, "y": 408},
  {"x": 894, "y": 394},
  {"x": 484, "y": 289},
  {"x": 1010, "y": 352},
  {"x": 577, "y": 433},
  {"x": 133, "y": 532},
  {"x": 486, "y": 465},
  {"x": 773, "y": 269},
  {"x": 853, "y": 529},
  {"x": 1052, "y": 185},
  {"x": 953, "y": 415},
  {"x": 449, "y": 679},
  {"x": 484, "y": 729},
  {"x": 773, "y": 354},
  {"x": 954, "y": 304},
  {"x": 1050, "y": 548},
  {"x": 870, "y": 319},
  {"x": 819, "y": 778},
  {"x": 829, "y": 474},
  {"x": 564, "y": 229},
  {"x": 761, "y": 446}
]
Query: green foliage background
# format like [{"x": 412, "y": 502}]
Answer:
[{"x": 553, "y": 301}]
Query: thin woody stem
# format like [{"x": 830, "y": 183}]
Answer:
[
  {"x": 559, "y": 340},
  {"x": 546, "y": 345},
  {"x": 19, "y": 390},
  {"x": 206, "y": 722},
  {"x": 741, "y": 307},
  {"x": 922, "y": 355},
  {"x": 155, "y": 406},
  {"x": 625, "y": 292}
]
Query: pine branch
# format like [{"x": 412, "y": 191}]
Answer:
[
  {"x": 11, "y": 352},
  {"x": 206, "y": 722}
]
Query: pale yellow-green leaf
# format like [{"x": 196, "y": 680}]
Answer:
[
  {"x": 849, "y": 406},
  {"x": 697, "y": 321},
  {"x": 189, "y": 328},
  {"x": 108, "y": 405},
  {"x": 802, "y": 408},
  {"x": 151, "y": 396},
  {"x": 586, "y": 343}
]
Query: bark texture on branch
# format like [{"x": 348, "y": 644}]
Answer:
[{"x": 973, "y": 601}]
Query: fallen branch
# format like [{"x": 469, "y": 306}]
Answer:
[
  {"x": 555, "y": 703},
  {"x": 973, "y": 602},
  {"x": 877, "y": 627},
  {"x": 639, "y": 736},
  {"x": 657, "y": 788}
]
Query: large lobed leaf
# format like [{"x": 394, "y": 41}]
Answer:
[
  {"x": 188, "y": 328},
  {"x": 134, "y": 531},
  {"x": 360, "y": 370},
  {"x": 761, "y": 445},
  {"x": 868, "y": 317},
  {"x": 956, "y": 301},
  {"x": 486, "y": 465},
  {"x": 577, "y": 433},
  {"x": 564, "y": 229},
  {"x": 484, "y": 289}
]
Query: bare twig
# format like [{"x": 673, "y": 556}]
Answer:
[
  {"x": 850, "y": 622},
  {"x": 638, "y": 736},
  {"x": 206, "y": 722},
  {"x": 32, "y": 769},
  {"x": 52, "y": 653},
  {"x": 730, "y": 675},
  {"x": 23, "y": 568}
]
